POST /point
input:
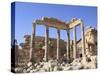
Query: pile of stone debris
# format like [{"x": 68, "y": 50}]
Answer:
[{"x": 54, "y": 65}]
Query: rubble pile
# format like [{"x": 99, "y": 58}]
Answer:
[{"x": 54, "y": 65}]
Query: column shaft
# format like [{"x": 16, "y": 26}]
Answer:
[
  {"x": 75, "y": 43},
  {"x": 83, "y": 39},
  {"x": 58, "y": 43},
  {"x": 68, "y": 44},
  {"x": 46, "y": 44},
  {"x": 32, "y": 45}
]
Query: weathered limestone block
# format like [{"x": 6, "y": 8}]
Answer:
[
  {"x": 89, "y": 62},
  {"x": 46, "y": 66},
  {"x": 77, "y": 66},
  {"x": 67, "y": 68},
  {"x": 91, "y": 41}
]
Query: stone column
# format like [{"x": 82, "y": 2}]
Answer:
[
  {"x": 32, "y": 45},
  {"x": 58, "y": 43},
  {"x": 68, "y": 45},
  {"x": 46, "y": 44},
  {"x": 75, "y": 42},
  {"x": 83, "y": 39}
]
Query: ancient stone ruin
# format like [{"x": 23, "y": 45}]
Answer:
[{"x": 43, "y": 54}]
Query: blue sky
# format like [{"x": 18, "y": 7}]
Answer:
[{"x": 26, "y": 13}]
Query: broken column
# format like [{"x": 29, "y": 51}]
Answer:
[{"x": 58, "y": 43}]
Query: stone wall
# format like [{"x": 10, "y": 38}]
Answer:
[{"x": 22, "y": 51}]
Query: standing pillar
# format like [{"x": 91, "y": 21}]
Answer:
[
  {"x": 75, "y": 41},
  {"x": 58, "y": 43},
  {"x": 68, "y": 45},
  {"x": 32, "y": 45},
  {"x": 83, "y": 39},
  {"x": 46, "y": 44}
]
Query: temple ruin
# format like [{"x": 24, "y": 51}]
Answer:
[
  {"x": 39, "y": 53},
  {"x": 59, "y": 25}
]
